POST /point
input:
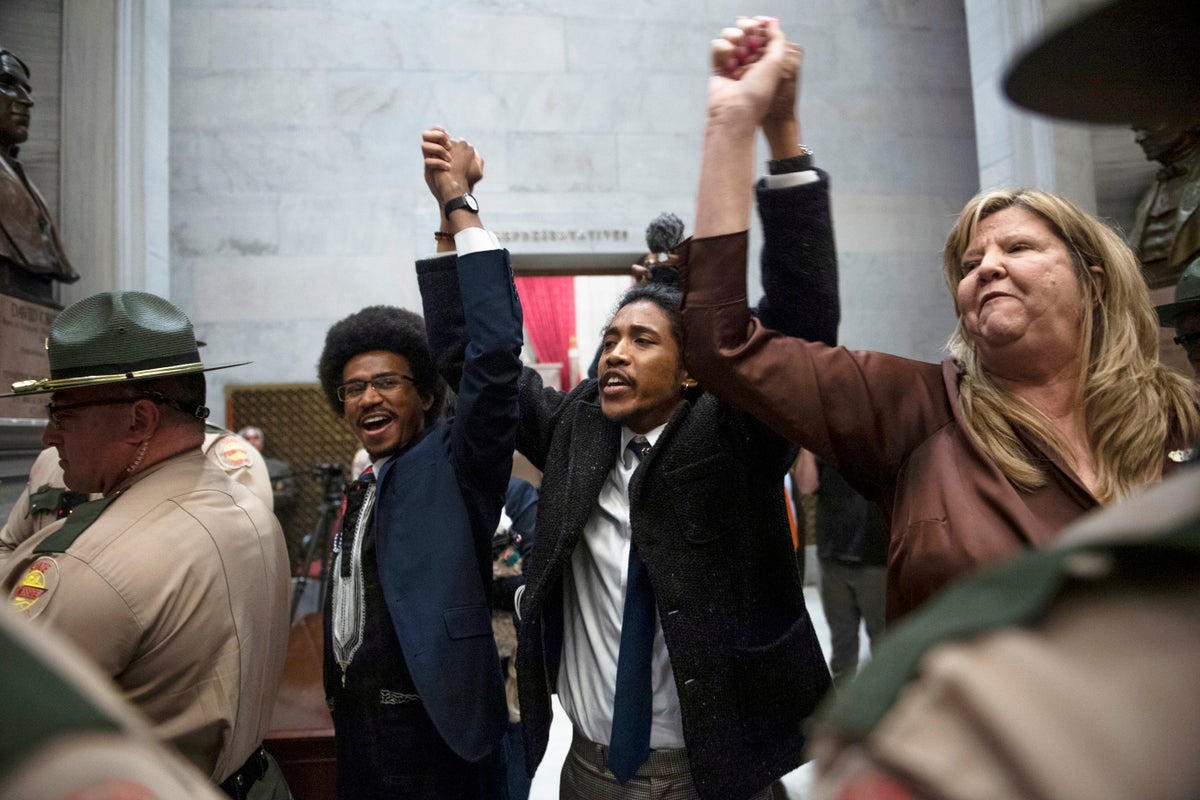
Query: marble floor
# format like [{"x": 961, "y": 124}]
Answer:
[{"x": 545, "y": 782}]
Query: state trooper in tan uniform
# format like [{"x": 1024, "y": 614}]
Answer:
[
  {"x": 46, "y": 497},
  {"x": 175, "y": 581}
]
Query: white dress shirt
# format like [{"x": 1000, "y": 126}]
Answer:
[
  {"x": 593, "y": 605},
  {"x": 475, "y": 240},
  {"x": 786, "y": 180}
]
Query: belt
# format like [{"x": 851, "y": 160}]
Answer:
[
  {"x": 660, "y": 763},
  {"x": 238, "y": 784}
]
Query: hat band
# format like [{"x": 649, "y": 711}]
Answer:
[
  {"x": 53, "y": 384},
  {"x": 189, "y": 359}
]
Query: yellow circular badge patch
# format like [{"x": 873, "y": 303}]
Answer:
[
  {"x": 232, "y": 454},
  {"x": 32, "y": 592}
]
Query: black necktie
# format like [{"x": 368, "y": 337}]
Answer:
[{"x": 629, "y": 744}]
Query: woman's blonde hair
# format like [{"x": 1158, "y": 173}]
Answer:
[{"x": 1132, "y": 403}]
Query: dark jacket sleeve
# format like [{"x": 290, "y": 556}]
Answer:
[
  {"x": 446, "y": 327},
  {"x": 520, "y": 504},
  {"x": 799, "y": 261},
  {"x": 800, "y": 281},
  {"x": 445, "y": 323},
  {"x": 485, "y": 421}
]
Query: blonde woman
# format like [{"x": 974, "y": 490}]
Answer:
[{"x": 1053, "y": 403}]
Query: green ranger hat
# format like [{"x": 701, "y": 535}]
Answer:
[
  {"x": 115, "y": 337},
  {"x": 1125, "y": 61},
  {"x": 1187, "y": 298}
]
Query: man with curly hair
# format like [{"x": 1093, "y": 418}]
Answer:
[{"x": 411, "y": 671}]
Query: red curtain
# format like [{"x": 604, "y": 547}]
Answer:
[{"x": 549, "y": 307}]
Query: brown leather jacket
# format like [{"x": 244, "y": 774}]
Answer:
[{"x": 893, "y": 427}]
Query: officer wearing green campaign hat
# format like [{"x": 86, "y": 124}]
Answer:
[
  {"x": 115, "y": 337},
  {"x": 1184, "y": 314},
  {"x": 176, "y": 578}
]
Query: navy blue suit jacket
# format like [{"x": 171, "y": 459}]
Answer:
[{"x": 437, "y": 507}]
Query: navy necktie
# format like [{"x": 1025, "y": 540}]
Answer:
[{"x": 629, "y": 744}]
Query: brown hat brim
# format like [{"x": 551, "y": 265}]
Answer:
[{"x": 1131, "y": 61}]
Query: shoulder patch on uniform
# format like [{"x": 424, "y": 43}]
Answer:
[
  {"x": 33, "y": 591},
  {"x": 232, "y": 454}
]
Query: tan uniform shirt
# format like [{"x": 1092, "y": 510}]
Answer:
[
  {"x": 179, "y": 591},
  {"x": 23, "y": 522},
  {"x": 227, "y": 450},
  {"x": 97, "y": 748},
  {"x": 1098, "y": 699}
]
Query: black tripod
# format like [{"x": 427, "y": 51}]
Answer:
[{"x": 333, "y": 484}]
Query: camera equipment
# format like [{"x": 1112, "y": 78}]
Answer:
[
  {"x": 333, "y": 480},
  {"x": 333, "y": 483}
]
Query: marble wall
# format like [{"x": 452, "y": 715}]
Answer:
[{"x": 296, "y": 194}]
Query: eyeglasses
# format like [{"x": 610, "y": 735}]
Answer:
[
  {"x": 388, "y": 382},
  {"x": 1188, "y": 341},
  {"x": 54, "y": 410}
]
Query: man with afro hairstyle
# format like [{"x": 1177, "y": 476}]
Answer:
[{"x": 412, "y": 676}]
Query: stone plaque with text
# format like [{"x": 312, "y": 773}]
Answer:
[{"x": 24, "y": 327}]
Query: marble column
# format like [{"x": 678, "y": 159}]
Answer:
[{"x": 114, "y": 171}]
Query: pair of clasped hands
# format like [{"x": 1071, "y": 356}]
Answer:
[
  {"x": 751, "y": 62},
  {"x": 742, "y": 45},
  {"x": 452, "y": 166}
]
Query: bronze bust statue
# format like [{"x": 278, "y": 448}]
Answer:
[
  {"x": 1166, "y": 231},
  {"x": 31, "y": 255}
]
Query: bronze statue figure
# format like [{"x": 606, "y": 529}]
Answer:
[
  {"x": 31, "y": 255},
  {"x": 1166, "y": 231}
]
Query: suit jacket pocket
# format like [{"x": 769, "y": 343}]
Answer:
[
  {"x": 466, "y": 622},
  {"x": 780, "y": 683},
  {"x": 701, "y": 492}
]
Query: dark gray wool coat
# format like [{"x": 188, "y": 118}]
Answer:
[{"x": 707, "y": 512}]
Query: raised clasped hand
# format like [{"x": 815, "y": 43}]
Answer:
[
  {"x": 452, "y": 166},
  {"x": 749, "y": 62}
]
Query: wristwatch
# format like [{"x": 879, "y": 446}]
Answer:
[
  {"x": 799, "y": 163},
  {"x": 466, "y": 201}
]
